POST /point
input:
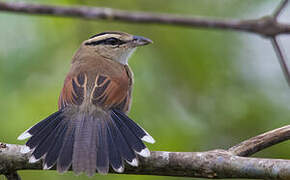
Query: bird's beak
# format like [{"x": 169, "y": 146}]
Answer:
[{"x": 141, "y": 41}]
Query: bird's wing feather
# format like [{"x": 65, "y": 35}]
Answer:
[
  {"x": 73, "y": 91},
  {"x": 111, "y": 92},
  {"x": 105, "y": 91}
]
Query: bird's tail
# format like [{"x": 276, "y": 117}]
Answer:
[{"x": 88, "y": 142}]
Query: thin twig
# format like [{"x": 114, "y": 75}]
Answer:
[
  {"x": 260, "y": 142},
  {"x": 264, "y": 26},
  {"x": 280, "y": 8},
  {"x": 281, "y": 58}
]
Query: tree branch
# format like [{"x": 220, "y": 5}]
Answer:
[
  {"x": 280, "y": 8},
  {"x": 211, "y": 164},
  {"x": 258, "y": 143},
  {"x": 266, "y": 26},
  {"x": 12, "y": 176},
  {"x": 281, "y": 58}
]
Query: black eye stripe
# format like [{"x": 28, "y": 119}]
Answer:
[{"x": 108, "y": 41}]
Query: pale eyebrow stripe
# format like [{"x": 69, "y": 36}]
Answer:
[
  {"x": 105, "y": 36},
  {"x": 103, "y": 33}
]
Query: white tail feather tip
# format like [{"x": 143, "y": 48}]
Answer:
[
  {"x": 32, "y": 159},
  {"x": 148, "y": 138},
  {"x": 120, "y": 169},
  {"x": 144, "y": 152},
  {"x": 24, "y": 135},
  {"x": 45, "y": 167},
  {"x": 134, "y": 162},
  {"x": 24, "y": 150}
]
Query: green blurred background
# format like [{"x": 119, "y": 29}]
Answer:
[{"x": 195, "y": 89}]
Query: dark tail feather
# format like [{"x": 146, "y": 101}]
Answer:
[
  {"x": 88, "y": 142},
  {"x": 102, "y": 161},
  {"x": 40, "y": 131},
  {"x": 54, "y": 151},
  {"x": 36, "y": 128},
  {"x": 132, "y": 140},
  {"x": 48, "y": 142},
  {"x": 114, "y": 154},
  {"x": 134, "y": 127},
  {"x": 66, "y": 152},
  {"x": 121, "y": 144},
  {"x": 85, "y": 148},
  {"x": 43, "y": 135}
]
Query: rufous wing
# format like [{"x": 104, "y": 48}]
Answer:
[
  {"x": 73, "y": 91},
  {"x": 111, "y": 92},
  {"x": 105, "y": 92}
]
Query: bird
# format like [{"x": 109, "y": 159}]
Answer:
[{"x": 91, "y": 131}]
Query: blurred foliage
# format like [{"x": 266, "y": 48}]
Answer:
[{"x": 195, "y": 90}]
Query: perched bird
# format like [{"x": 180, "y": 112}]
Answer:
[{"x": 91, "y": 130}]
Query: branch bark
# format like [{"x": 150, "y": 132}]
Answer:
[
  {"x": 12, "y": 176},
  {"x": 210, "y": 164},
  {"x": 282, "y": 59},
  {"x": 266, "y": 26},
  {"x": 258, "y": 143},
  {"x": 280, "y": 8}
]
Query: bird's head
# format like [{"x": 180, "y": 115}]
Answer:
[{"x": 117, "y": 46}]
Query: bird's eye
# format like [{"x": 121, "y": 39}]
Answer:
[{"x": 112, "y": 41}]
